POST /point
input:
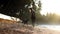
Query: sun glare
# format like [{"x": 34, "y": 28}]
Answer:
[{"x": 50, "y": 6}]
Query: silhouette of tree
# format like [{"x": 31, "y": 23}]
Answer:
[{"x": 19, "y": 9}]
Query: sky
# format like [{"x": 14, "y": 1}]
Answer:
[{"x": 50, "y": 6}]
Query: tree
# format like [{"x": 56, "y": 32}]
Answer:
[
  {"x": 37, "y": 11},
  {"x": 18, "y": 8},
  {"x": 15, "y": 8}
]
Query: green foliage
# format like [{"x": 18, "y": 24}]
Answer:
[
  {"x": 20, "y": 8},
  {"x": 38, "y": 15}
]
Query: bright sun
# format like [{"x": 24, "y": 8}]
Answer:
[{"x": 50, "y": 6}]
